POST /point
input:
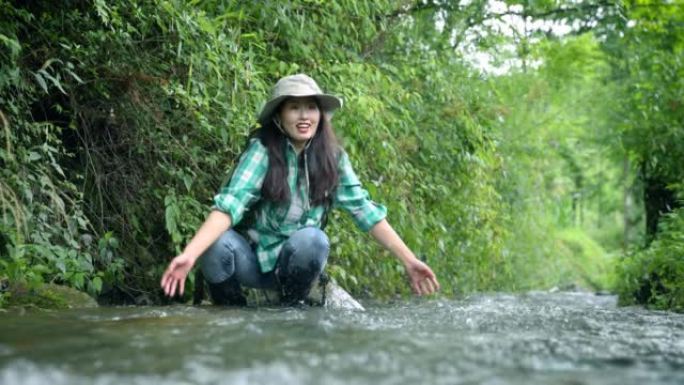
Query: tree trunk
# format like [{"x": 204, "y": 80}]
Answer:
[{"x": 658, "y": 200}]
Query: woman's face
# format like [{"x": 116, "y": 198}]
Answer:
[{"x": 299, "y": 118}]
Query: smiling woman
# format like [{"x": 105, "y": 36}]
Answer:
[
  {"x": 265, "y": 229},
  {"x": 298, "y": 118}
]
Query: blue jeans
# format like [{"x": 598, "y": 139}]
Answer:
[{"x": 231, "y": 261}]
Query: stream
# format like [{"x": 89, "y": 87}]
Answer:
[{"x": 530, "y": 338}]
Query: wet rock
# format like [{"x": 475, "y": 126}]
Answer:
[
  {"x": 326, "y": 293},
  {"x": 48, "y": 296},
  {"x": 338, "y": 298}
]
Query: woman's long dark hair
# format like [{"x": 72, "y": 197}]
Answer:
[{"x": 322, "y": 156}]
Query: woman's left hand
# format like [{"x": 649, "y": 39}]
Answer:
[{"x": 423, "y": 280}]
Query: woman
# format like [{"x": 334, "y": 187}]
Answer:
[{"x": 264, "y": 230}]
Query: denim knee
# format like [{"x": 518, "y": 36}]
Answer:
[
  {"x": 218, "y": 261},
  {"x": 301, "y": 261},
  {"x": 307, "y": 248}
]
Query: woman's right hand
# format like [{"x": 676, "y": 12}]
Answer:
[{"x": 175, "y": 274}]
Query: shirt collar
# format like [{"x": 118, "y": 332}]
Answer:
[{"x": 291, "y": 146}]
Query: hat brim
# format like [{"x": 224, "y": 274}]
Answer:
[{"x": 328, "y": 103}]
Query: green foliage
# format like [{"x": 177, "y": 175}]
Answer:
[
  {"x": 45, "y": 234},
  {"x": 559, "y": 183},
  {"x": 655, "y": 275},
  {"x": 650, "y": 69},
  {"x": 647, "y": 65},
  {"x": 582, "y": 260}
]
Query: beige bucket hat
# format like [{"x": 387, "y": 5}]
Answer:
[{"x": 298, "y": 85}]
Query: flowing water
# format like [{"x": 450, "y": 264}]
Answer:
[{"x": 534, "y": 338}]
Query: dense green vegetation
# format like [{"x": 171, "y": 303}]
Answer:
[
  {"x": 121, "y": 119},
  {"x": 655, "y": 275}
]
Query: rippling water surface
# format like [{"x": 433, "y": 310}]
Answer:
[{"x": 534, "y": 338}]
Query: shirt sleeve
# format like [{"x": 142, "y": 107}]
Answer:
[
  {"x": 244, "y": 186},
  {"x": 354, "y": 199}
]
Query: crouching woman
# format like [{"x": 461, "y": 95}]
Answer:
[{"x": 265, "y": 229}]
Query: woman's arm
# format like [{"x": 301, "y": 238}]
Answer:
[
  {"x": 369, "y": 216},
  {"x": 230, "y": 204},
  {"x": 174, "y": 277},
  {"x": 421, "y": 277}
]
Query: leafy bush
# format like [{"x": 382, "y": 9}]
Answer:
[
  {"x": 655, "y": 276},
  {"x": 45, "y": 234}
]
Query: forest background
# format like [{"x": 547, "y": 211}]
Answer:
[{"x": 518, "y": 144}]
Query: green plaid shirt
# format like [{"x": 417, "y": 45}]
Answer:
[{"x": 269, "y": 224}]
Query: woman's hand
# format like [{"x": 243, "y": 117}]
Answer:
[
  {"x": 421, "y": 277},
  {"x": 175, "y": 274}
]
